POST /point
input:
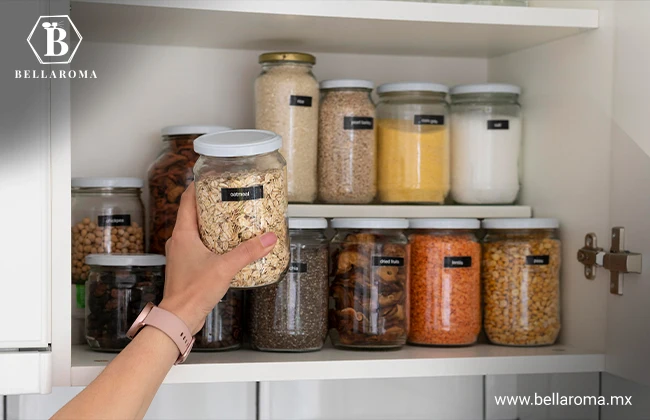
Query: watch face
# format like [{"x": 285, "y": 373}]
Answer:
[{"x": 139, "y": 321}]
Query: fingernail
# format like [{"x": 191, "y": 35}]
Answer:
[{"x": 268, "y": 239}]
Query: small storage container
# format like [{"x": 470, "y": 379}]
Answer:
[
  {"x": 169, "y": 176},
  {"x": 521, "y": 281},
  {"x": 291, "y": 315},
  {"x": 286, "y": 102},
  {"x": 118, "y": 288},
  {"x": 369, "y": 284},
  {"x": 241, "y": 192},
  {"x": 223, "y": 328},
  {"x": 347, "y": 158},
  {"x": 413, "y": 143},
  {"x": 107, "y": 217},
  {"x": 486, "y": 132},
  {"x": 445, "y": 282}
]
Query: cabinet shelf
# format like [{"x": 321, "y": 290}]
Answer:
[
  {"x": 407, "y": 211},
  {"x": 365, "y": 27},
  {"x": 329, "y": 363}
]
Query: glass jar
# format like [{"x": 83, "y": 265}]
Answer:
[
  {"x": 369, "y": 286},
  {"x": 521, "y": 281},
  {"x": 169, "y": 176},
  {"x": 486, "y": 135},
  {"x": 413, "y": 143},
  {"x": 291, "y": 315},
  {"x": 107, "y": 217},
  {"x": 286, "y": 102},
  {"x": 347, "y": 159},
  {"x": 223, "y": 328},
  {"x": 241, "y": 192},
  {"x": 118, "y": 288},
  {"x": 444, "y": 282}
]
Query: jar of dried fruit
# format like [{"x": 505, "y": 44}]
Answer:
[
  {"x": 286, "y": 102},
  {"x": 292, "y": 315},
  {"x": 223, "y": 328},
  {"x": 241, "y": 192},
  {"x": 118, "y": 288},
  {"x": 445, "y": 282},
  {"x": 169, "y": 176},
  {"x": 369, "y": 284},
  {"x": 521, "y": 281}
]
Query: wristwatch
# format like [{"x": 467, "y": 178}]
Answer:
[{"x": 168, "y": 323}]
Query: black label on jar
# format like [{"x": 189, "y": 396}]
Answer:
[
  {"x": 295, "y": 100},
  {"x": 537, "y": 260},
  {"x": 242, "y": 194},
  {"x": 387, "y": 262},
  {"x": 358, "y": 123},
  {"x": 114, "y": 220},
  {"x": 297, "y": 267},
  {"x": 429, "y": 120},
  {"x": 498, "y": 125},
  {"x": 457, "y": 262}
]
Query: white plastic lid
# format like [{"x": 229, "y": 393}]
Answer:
[
  {"x": 412, "y": 87},
  {"x": 444, "y": 223},
  {"x": 123, "y": 260},
  {"x": 178, "y": 130},
  {"x": 346, "y": 83},
  {"x": 235, "y": 143},
  {"x": 98, "y": 182},
  {"x": 486, "y": 88},
  {"x": 521, "y": 224},
  {"x": 307, "y": 223},
  {"x": 363, "y": 223}
]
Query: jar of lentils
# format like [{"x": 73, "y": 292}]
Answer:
[
  {"x": 521, "y": 281},
  {"x": 223, "y": 328}
]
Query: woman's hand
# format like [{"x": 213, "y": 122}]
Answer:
[{"x": 196, "y": 278}]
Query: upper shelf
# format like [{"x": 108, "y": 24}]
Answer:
[
  {"x": 408, "y": 211},
  {"x": 366, "y": 27}
]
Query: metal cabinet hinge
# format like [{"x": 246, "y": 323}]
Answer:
[{"x": 618, "y": 261}]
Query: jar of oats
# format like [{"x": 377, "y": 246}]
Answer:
[
  {"x": 521, "y": 281},
  {"x": 286, "y": 102},
  {"x": 241, "y": 192},
  {"x": 347, "y": 159}
]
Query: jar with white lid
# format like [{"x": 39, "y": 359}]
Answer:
[
  {"x": 521, "y": 281},
  {"x": 169, "y": 175},
  {"x": 486, "y": 130},
  {"x": 347, "y": 158},
  {"x": 241, "y": 192},
  {"x": 286, "y": 102},
  {"x": 412, "y": 143},
  {"x": 118, "y": 288},
  {"x": 369, "y": 283}
]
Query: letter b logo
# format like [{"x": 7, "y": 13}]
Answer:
[
  {"x": 55, "y": 35},
  {"x": 54, "y": 39}
]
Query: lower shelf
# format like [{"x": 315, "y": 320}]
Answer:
[{"x": 329, "y": 363}]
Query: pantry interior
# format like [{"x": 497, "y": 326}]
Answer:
[{"x": 162, "y": 63}]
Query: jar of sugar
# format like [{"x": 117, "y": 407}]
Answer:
[{"x": 486, "y": 133}]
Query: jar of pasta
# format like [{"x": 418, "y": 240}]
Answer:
[
  {"x": 412, "y": 143},
  {"x": 521, "y": 281},
  {"x": 444, "y": 282},
  {"x": 369, "y": 286}
]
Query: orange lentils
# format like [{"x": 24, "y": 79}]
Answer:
[{"x": 445, "y": 282}]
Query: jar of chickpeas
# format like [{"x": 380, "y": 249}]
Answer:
[{"x": 521, "y": 281}]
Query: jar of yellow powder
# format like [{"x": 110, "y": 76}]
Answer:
[{"x": 413, "y": 143}]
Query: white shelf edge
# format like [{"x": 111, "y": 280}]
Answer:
[
  {"x": 329, "y": 363},
  {"x": 408, "y": 211}
]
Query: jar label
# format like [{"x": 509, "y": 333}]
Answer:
[
  {"x": 114, "y": 220},
  {"x": 297, "y": 267},
  {"x": 457, "y": 262},
  {"x": 387, "y": 262},
  {"x": 498, "y": 125},
  {"x": 537, "y": 260},
  {"x": 242, "y": 194},
  {"x": 358, "y": 123},
  {"x": 81, "y": 296},
  {"x": 429, "y": 120},
  {"x": 295, "y": 100}
]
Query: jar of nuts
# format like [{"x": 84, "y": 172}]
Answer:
[
  {"x": 107, "y": 218},
  {"x": 521, "y": 281}
]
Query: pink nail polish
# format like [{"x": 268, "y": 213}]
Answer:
[{"x": 268, "y": 239}]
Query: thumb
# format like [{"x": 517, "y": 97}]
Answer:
[{"x": 245, "y": 253}]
